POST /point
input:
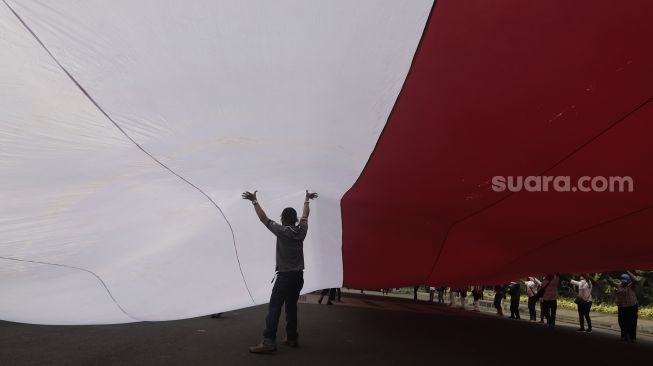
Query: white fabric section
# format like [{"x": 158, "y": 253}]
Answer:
[
  {"x": 75, "y": 192},
  {"x": 52, "y": 285},
  {"x": 232, "y": 95}
]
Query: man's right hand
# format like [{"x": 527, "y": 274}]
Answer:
[{"x": 310, "y": 196}]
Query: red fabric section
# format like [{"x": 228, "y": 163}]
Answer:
[{"x": 510, "y": 88}]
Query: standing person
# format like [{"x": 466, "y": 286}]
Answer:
[
  {"x": 477, "y": 292},
  {"x": 289, "y": 269},
  {"x": 532, "y": 286},
  {"x": 441, "y": 291},
  {"x": 541, "y": 304},
  {"x": 415, "y": 288},
  {"x": 627, "y": 307},
  {"x": 431, "y": 293},
  {"x": 584, "y": 303},
  {"x": 499, "y": 295},
  {"x": 515, "y": 294},
  {"x": 550, "y": 298},
  {"x": 452, "y": 296},
  {"x": 463, "y": 295}
]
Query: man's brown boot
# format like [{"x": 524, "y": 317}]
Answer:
[
  {"x": 263, "y": 348},
  {"x": 290, "y": 343}
]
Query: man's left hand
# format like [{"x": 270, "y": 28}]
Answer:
[{"x": 250, "y": 196}]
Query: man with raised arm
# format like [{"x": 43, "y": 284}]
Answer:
[
  {"x": 532, "y": 286},
  {"x": 627, "y": 306},
  {"x": 289, "y": 269}
]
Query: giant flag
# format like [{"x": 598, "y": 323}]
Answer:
[{"x": 128, "y": 130}]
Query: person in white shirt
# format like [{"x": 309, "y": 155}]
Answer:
[
  {"x": 452, "y": 296},
  {"x": 532, "y": 286},
  {"x": 584, "y": 302}
]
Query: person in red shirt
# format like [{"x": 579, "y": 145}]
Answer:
[
  {"x": 627, "y": 306},
  {"x": 550, "y": 298}
]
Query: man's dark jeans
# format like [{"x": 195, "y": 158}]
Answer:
[{"x": 285, "y": 291}]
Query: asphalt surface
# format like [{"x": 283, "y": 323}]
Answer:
[{"x": 380, "y": 332}]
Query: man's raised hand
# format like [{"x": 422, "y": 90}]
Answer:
[
  {"x": 310, "y": 196},
  {"x": 249, "y": 196}
]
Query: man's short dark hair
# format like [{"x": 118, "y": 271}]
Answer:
[{"x": 289, "y": 216}]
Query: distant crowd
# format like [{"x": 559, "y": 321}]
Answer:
[{"x": 543, "y": 293}]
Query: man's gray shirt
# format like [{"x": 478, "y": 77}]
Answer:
[{"x": 290, "y": 245}]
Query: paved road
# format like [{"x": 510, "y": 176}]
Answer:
[{"x": 382, "y": 332}]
